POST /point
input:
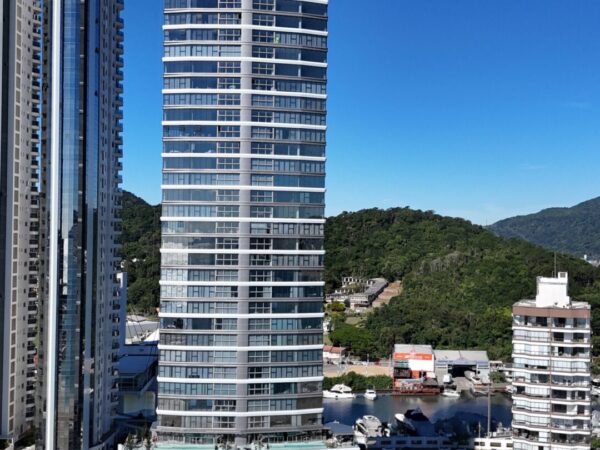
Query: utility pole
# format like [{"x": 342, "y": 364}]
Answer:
[{"x": 489, "y": 415}]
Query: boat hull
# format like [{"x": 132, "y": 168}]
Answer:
[{"x": 338, "y": 396}]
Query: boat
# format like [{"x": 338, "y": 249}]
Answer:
[
  {"x": 368, "y": 427},
  {"x": 370, "y": 394},
  {"x": 339, "y": 391},
  {"x": 451, "y": 393},
  {"x": 473, "y": 377},
  {"x": 414, "y": 422}
]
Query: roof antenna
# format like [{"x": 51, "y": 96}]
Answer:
[{"x": 555, "y": 273}]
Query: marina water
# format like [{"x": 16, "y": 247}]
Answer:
[{"x": 434, "y": 407}]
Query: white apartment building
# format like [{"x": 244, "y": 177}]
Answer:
[{"x": 551, "y": 370}]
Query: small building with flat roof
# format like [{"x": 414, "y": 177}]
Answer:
[{"x": 413, "y": 361}]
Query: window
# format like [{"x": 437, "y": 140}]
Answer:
[
  {"x": 260, "y": 307},
  {"x": 228, "y": 34},
  {"x": 265, "y": 20},
  {"x": 261, "y": 243},
  {"x": 256, "y": 356},
  {"x": 263, "y": 4},
  {"x": 230, "y": 3},
  {"x": 228, "y": 163},
  {"x": 229, "y": 67},
  {"x": 262, "y": 180},
  {"x": 258, "y": 389}
]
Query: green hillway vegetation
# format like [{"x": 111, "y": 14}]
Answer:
[
  {"x": 459, "y": 280},
  {"x": 140, "y": 251}
]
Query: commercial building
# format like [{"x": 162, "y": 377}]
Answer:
[
  {"x": 243, "y": 214},
  {"x": 551, "y": 369},
  {"x": 413, "y": 362},
  {"x": 79, "y": 203},
  {"x": 457, "y": 362},
  {"x": 19, "y": 142}
]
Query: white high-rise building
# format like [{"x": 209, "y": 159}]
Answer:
[
  {"x": 19, "y": 150},
  {"x": 242, "y": 221},
  {"x": 551, "y": 370}
]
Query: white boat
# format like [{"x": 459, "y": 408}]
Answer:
[
  {"x": 451, "y": 393},
  {"x": 339, "y": 391},
  {"x": 370, "y": 394},
  {"x": 473, "y": 377},
  {"x": 368, "y": 427}
]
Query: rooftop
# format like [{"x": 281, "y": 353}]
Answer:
[
  {"x": 571, "y": 305},
  {"x": 410, "y": 348},
  {"x": 461, "y": 355},
  {"x": 138, "y": 328},
  {"x": 333, "y": 349},
  {"x": 377, "y": 285}
]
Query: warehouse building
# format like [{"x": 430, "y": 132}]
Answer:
[{"x": 457, "y": 362}]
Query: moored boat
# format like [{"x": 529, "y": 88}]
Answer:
[
  {"x": 368, "y": 427},
  {"x": 339, "y": 391},
  {"x": 451, "y": 393},
  {"x": 370, "y": 394}
]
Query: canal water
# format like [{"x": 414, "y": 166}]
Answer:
[{"x": 436, "y": 408}]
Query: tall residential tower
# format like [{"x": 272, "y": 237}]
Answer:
[
  {"x": 551, "y": 375},
  {"x": 243, "y": 215},
  {"x": 79, "y": 201},
  {"x": 19, "y": 128}
]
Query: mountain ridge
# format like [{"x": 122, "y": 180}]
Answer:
[{"x": 574, "y": 230}]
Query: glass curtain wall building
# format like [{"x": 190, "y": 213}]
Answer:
[
  {"x": 79, "y": 198},
  {"x": 19, "y": 128},
  {"x": 243, "y": 216}
]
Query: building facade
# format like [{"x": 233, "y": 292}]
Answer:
[
  {"x": 19, "y": 128},
  {"x": 551, "y": 370},
  {"x": 242, "y": 221},
  {"x": 79, "y": 202}
]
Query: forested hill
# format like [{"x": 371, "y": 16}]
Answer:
[
  {"x": 140, "y": 251},
  {"x": 574, "y": 230},
  {"x": 459, "y": 280}
]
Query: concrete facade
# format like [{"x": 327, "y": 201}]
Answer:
[
  {"x": 241, "y": 335},
  {"x": 19, "y": 152},
  {"x": 551, "y": 385}
]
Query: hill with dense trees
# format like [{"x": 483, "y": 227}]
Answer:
[
  {"x": 140, "y": 240},
  {"x": 574, "y": 230},
  {"x": 459, "y": 279}
]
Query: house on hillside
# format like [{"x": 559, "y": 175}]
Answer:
[
  {"x": 333, "y": 354},
  {"x": 361, "y": 301}
]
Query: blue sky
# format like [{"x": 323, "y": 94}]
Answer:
[{"x": 478, "y": 109}]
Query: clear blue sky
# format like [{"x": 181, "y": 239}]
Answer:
[{"x": 478, "y": 109}]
